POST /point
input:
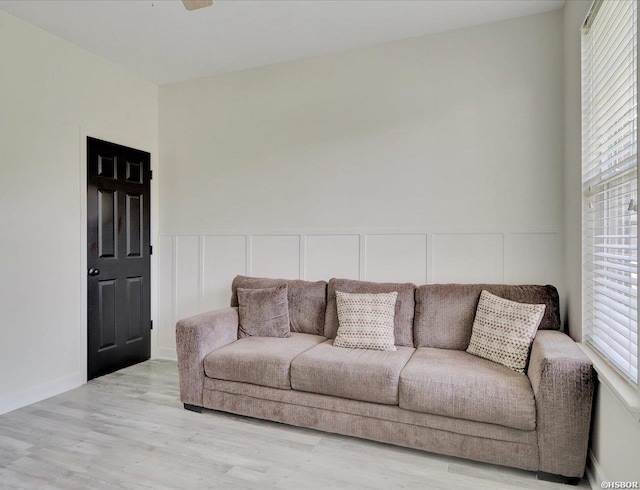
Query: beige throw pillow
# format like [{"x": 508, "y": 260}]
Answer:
[
  {"x": 503, "y": 330},
  {"x": 263, "y": 312},
  {"x": 365, "y": 321}
]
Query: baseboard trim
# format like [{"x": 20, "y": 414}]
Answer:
[
  {"x": 594, "y": 472},
  {"x": 40, "y": 392},
  {"x": 166, "y": 353}
]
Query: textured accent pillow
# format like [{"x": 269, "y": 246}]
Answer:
[
  {"x": 503, "y": 330},
  {"x": 263, "y": 312},
  {"x": 365, "y": 321}
]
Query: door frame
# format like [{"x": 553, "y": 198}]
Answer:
[{"x": 124, "y": 140}]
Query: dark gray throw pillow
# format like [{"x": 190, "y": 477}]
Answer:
[{"x": 263, "y": 312}]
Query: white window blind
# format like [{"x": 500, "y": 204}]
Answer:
[{"x": 610, "y": 183}]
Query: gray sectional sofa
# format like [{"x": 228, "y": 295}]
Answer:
[{"x": 430, "y": 394}]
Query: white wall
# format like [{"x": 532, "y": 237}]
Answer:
[
  {"x": 52, "y": 95},
  {"x": 434, "y": 159},
  {"x": 615, "y": 440}
]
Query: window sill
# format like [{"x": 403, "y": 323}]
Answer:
[{"x": 626, "y": 393}]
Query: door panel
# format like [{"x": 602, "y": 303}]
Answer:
[
  {"x": 107, "y": 319},
  {"x": 107, "y": 166},
  {"x": 134, "y": 172},
  {"x": 118, "y": 249},
  {"x": 107, "y": 217},
  {"x": 135, "y": 306},
  {"x": 135, "y": 221}
]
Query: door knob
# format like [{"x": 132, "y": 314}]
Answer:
[{"x": 94, "y": 272}]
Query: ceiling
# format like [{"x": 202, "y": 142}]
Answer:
[{"x": 163, "y": 42}]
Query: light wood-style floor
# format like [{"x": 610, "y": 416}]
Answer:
[{"x": 129, "y": 430}]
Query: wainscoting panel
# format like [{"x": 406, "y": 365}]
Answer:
[
  {"x": 275, "y": 256},
  {"x": 328, "y": 256},
  {"x": 468, "y": 258},
  {"x": 166, "y": 284},
  {"x": 396, "y": 258},
  {"x": 187, "y": 276},
  {"x": 532, "y": 258},
  {"x": 196, "y": 268},
  {"x": 224, "y": 258}
]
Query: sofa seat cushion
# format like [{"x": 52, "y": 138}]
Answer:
[
  {"x": 357, "y": 374},
  {"x": 264, "y": 361},
  {"x": 457, "y": 384}
]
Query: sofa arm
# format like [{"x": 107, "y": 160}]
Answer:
[
  {"x": 195, "y": 338},
  {"x": 563, "y": 381}
]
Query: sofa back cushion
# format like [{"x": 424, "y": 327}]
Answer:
[
  {"x": 307, "y": 300},
  {"x": 405, "y": 305},
  {"x": 445, "y": 312}
]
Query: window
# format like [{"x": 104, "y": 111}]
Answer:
[{"x": 610, "y": 183}]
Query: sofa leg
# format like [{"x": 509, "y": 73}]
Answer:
[
  {"x": 567, "y": 480},
  {"x": 193, "y": 408}
]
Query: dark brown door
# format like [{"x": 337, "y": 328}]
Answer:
[{"x": 118, "y": 262}]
